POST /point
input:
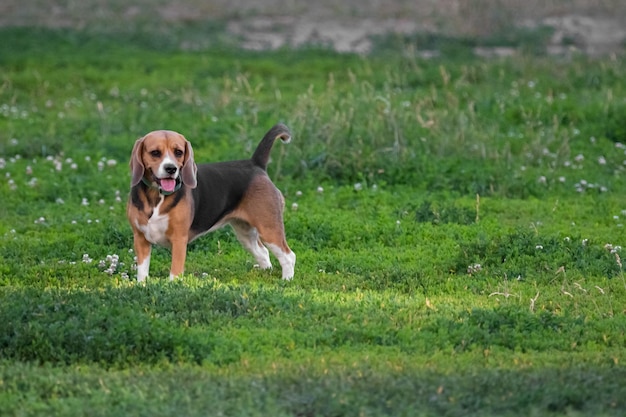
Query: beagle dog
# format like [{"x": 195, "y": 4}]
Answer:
[{"x": 173, "y": 201}]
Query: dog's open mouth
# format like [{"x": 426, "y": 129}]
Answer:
[{"x": 167, "y": 184}]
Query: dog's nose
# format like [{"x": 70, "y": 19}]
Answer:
[{"x": 170, "y": 169}]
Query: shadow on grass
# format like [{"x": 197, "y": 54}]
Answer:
[
  {"x": 214, "y": 323},
  {"x": 358, "y": 385}
]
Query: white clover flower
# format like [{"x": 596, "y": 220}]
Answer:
[
  {"x": 471, "y": 269},
  {"x": 320, "y": 190},
  {"x": 358, "y": 186},
  {"x": 111, "y": 162},
  {"x": 539, "y": 247},
  {"x": 294, "y": 206},
  {"x": 298, "y": 193},
  {"x": 579, "y": 158},
  {"x": 602, "y": 160},
  {"x": 84, "y": 202},
  {"x": 29, "y": 170},
  {"x": 561, "y": 179}
]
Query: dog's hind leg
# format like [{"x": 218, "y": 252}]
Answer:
[
  {"x": 274, "y": 238},
  {"x": 249, "y": 238},
  {"x": 286, "y": 257}
]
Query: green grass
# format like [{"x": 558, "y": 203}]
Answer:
[{"x": 458, "y": 225}]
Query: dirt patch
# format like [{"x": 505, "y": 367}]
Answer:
[
  {"x": 590, "y": 35},
  {"x": 594, "y": 27},
  {"x": 350, "y": 35}
]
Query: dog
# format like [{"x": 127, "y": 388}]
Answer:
[{"x": 173, "y": 201}]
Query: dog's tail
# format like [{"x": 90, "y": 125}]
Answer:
[{"x": 262, "y": 153}]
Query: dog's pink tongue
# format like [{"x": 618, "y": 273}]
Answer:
[{"x": 168, "y": 185}]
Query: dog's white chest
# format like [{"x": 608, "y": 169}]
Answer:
[{"x": 157, "y": 225}]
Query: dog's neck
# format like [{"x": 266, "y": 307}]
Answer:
[{"x": 161, "y": 191}]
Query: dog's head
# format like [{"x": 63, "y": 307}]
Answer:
[{"x": 164, "y": 158}]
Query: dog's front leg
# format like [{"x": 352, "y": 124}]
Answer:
[
  {"x": 179, "y": 253},
  {"x": 142, "y": 251}
]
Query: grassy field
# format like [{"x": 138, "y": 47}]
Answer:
[{"x": 458, "y": 225}]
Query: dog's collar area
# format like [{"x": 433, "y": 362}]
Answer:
[{"x": 162, "y": 191}]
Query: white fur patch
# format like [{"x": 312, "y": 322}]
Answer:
[
  {"x": 167, "y": 160},
  {"x": 249, "y": 237},
  {"x": 143, "y": 269},
  {"x": 155, "y": 229},
  {"x": 287, "y": 261}
]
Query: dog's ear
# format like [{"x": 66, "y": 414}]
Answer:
[
  {"x": 136, "y": 163},
  {"x": 189, "y": 172}
]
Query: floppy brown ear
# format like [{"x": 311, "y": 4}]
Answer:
[
  {"x": 189, "y": 172},
  {"x": 136, "y": 164}
]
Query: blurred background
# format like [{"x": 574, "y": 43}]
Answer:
[{"x": 490, "y": 27}]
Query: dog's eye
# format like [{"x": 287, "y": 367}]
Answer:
[
  {"x": 178, "y": 153},
  {"x": 155, "y": 154}
]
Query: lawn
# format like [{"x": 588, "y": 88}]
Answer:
[{"x": 458, "y": 225}]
